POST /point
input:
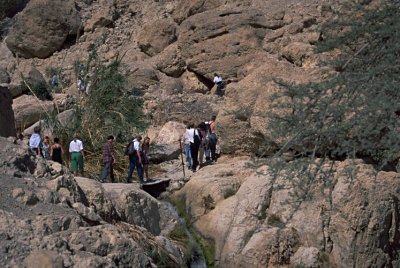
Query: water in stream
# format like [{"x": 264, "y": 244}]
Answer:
[{"x": 198, "y": 260}]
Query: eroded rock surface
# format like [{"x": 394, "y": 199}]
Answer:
[
  {"x": 257, "y": 219},
  {"x": 49, "y": 218}
]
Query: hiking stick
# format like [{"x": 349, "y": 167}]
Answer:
[{"x": 183, "y": 164}]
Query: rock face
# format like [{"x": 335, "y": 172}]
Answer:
[
  {"x": 242, "y": 122},
  {"x": 7, "y": 123},
  {"x": 49, "y": 218},
  {"x": 28, "y": 110},
  {"x": 42, "y": 28},
  {"x": 258, "y": 220}
]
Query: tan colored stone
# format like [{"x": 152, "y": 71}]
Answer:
[
  {"x": 170, "y": 133},
  {"x": 29, "y": 109},
  {"x": 44, "y": 259}
]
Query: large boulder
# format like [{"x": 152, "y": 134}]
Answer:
[
  {"x": 156, "y": 36},
  {"x": 29, "y": 109},
  {"x": 102, "y": 17},
  {"x": 170, "y": 61},
  {"x": 135, "y": 206},
  {"x": 64, "y": 118},
  {"x": 170, "y": 133},
  {"x": 42, "y": 27},
  {"x": 226, "y": 41},
  {"x": 242, "y": 123},
  {"x": 7, "y": 123},
  {"x": 345, "y": 216}
]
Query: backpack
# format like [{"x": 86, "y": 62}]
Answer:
[
  {"x": 196, "y": 138},
  {"x": 130, "y": 148}
]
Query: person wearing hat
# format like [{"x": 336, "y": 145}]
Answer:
[
  {"x": 108, "y": 160},
  {"x": 77, "y": 156}
]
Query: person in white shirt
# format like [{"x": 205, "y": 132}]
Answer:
[
  {"x": 186, "y": 147},
  {"x": 35, "y": 140},
  {"x": 135, "y": 160},
  {"x": 220, "y": 84},
  {"x": 77, "y": 155},
  {"x": 195, "y": 141}
]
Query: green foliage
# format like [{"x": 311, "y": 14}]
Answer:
[
  {"x": 275, "y": 220},
  {"x": 208, "y": 202},
  {"x": 228, "y": 192},
  {"x": 355, "y": 112},
  {"x": 106, "y": 110},
  {"x": 41, "y": 91},
  {"x": 207, "y": 245}
]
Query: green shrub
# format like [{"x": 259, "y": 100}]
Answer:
[
  {"x": 41, "y": 91},
  {"x": 275, "y": 220}
]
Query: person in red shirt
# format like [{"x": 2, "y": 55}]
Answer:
[{"x": 108, "y": 160}]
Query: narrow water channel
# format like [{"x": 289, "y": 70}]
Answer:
[{"x": 198, "y": 259}]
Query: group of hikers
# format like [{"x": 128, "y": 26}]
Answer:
[
  {"x": 43, "y": 147},
  {"x": 199, "y": 143}
]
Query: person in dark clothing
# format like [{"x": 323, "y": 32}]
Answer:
[
  {"x": 195, "y": 141},
  {"x": 56, "y": 151},
  {"x": 108, "y": 160},
  {"x": 135, "y": 160}
]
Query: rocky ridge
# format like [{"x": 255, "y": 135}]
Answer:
[
  {"x": 259, "y": 220},
  {"x": 47, "y": 216}
]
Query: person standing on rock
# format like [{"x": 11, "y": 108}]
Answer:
[
  {"x": 35, "y": 141},
  {"x": 185, "y": 142},
  {"x": 145, "y": 156},
  {"x": 135, "y": 160},
  {"x": 108, "y": 160},
  {"x": 77, "y": 155},
  {"x": 212, "y": 139},
  {"x": 220, "y": 84},
  {"x": 195, "y": 141},
  {"x": 45, "y": 148},
  {"x": 202, "y": 129},
  {"x": 56, "y": 151}
]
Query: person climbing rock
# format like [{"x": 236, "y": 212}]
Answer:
[{"x": 220, "y": 85}]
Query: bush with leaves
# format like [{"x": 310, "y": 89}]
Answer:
[
  {"x": 41, "y": 91},
  {"x": 354, "y": 113},
  {"x": 106, "y": 110}
]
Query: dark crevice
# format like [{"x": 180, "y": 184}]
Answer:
[
  {"x": 230, "y": 13},
  {"x": 218, "y": 34},
  {"x": 258, "y": 26},
  {"x": 204, "y": 80},
  {"x": 71, "y": 40}
]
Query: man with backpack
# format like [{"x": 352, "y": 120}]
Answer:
[{"x": 133, "y": 150}]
